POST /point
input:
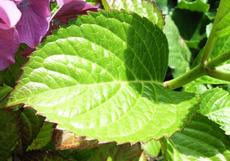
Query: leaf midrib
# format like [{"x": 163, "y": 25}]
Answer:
[{"x": 95, "y": 84}]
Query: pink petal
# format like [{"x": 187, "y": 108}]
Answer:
[
  {"x": 9, "y": 44},
  {"x": 34, "y": 23},
  {"x": 9, "y": 14},
  {"x": 71, "y": 8}
]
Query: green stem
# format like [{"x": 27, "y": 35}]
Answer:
[
  {"x": 218, "y": 74},
  {"x": 105, "y": 5},
  {"x": 163, "y": 143},
  {"x": 219, "y": 60},
  {"x": 200, "y": 70},
  {"x": 208, "y": 48},
  {"x": 193, "y": 74}
]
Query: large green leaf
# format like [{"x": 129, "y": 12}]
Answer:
[
  {"x": 9, "y": 133},
  {"x": 215, "y": 104},
  {"x": 145, "y": 8},
  {"x": 102, "y": 79},
  {"x": 195, "y": 5},
  {"x": 201, "y": 140},
  {"x": 179, "y": 54}
]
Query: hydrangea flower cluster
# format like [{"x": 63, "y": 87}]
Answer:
[{"x": 28, "y": 21}]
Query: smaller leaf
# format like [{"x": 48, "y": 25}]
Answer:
[
  {"x": 104, "y": 152},
  {"x": 10, "y": 75},
  {"x": 152, "y": 148},
  {"x": 43, "y": 156},
  {"x": 44, "y": 137},
  {"x": 200, "y": 140},
  {"x": 195, "y": 87},
  {"x": 9, "y": 133},
  {"x": 30, "y": 126},
  {"x": 225, "y": 68},
  {"x": 210, "y": 80},
  {"x": 94, "y": 2},
  {"x": 163, "y": 5},
  {"x": 195, "y": 5},
  {"x": 215, "y": 104},
  {"x": 209, "y": 29},
  {"x": 191, "y": 26},
  {"x": 219, "y": 39},
  {"x": 4, "y": 91},
  {"x": 179, "y": 53},
  {"x": 113, "y": 152}
]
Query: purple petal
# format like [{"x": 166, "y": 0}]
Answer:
[
  {"x": 9, "y": 14},
  {"x": 9, "y": 44},
  {"x": 62, "y": 2},
  {"x": 71, "y": 8},
  {"x": 34, "y": 22},
  {"x": 41, "y": 7}
]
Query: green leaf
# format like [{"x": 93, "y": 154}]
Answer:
[
  {"x": 112, "y": 152},
  {"x": 200, "y": 140},
  {"x": 210, "y": 80},
  {"x": 9, "y": 133},
  {"x": 44, "y": 137},
  {"x": 10, "y": 75},
  {"x": 4, "y": 91},
  {"x": 163, "y": 5},
  {"x": 103, "y": 79},
  {"x": 179, "y": 54},
  {"x": 215, "y": 104},
  {"x": 191, "y": 26},
  {"x": 195, "y": 87},
  {"x": 209, "y": 29},
  {"x": 225, "y": 68},
  {"x": 222, "y": 18},
  {"x": 145, "y": 8},
  {"x": 219, "y": 41},
  {"x": 43, "y": 156},
  {"x": 30, "y": 126},
  {"x": 195, "y": 5},
  {"x": 105, "y": 152},
  {"x": 152, "y": 148},
  {"x": 94, "y": 2}
]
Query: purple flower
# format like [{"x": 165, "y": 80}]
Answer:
[
  {"x": 34, "y": 22},
  {"x": 9, "y": 40},
  {"x": 21, "y": 21},
  {"x": 70, "y": 8},
  {"x": 27, "y": 21}
]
